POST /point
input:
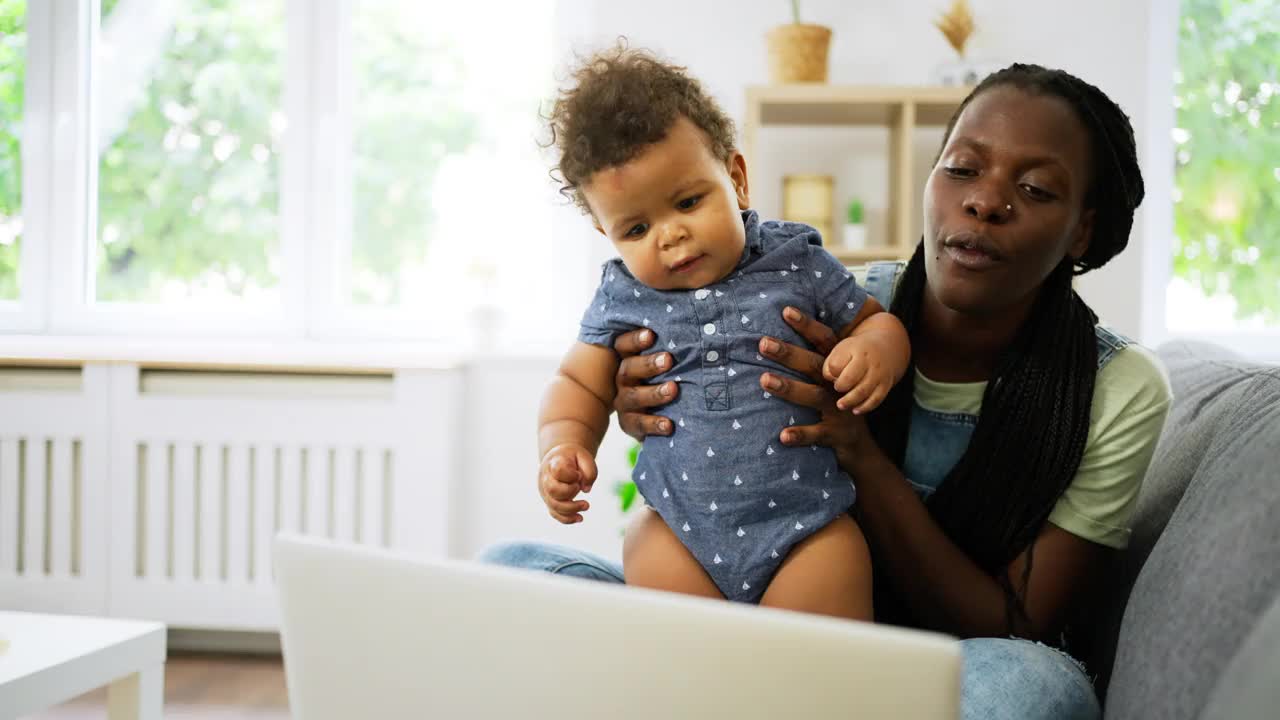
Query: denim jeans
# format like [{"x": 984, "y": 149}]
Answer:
[{"x": 1001, "y": 679}]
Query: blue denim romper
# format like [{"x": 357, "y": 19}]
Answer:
[
  {"x": 937, "y": 440},
  {"x": 736, "y": 497}
]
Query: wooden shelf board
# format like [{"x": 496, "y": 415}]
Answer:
[
  {"x": 820, "y": 104},
  {"x": 935, "y": 114}
]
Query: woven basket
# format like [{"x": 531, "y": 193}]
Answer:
[{"x": 798, "y": 53}]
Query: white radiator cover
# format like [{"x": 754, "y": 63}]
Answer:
[{"x": 158, "y": 499}]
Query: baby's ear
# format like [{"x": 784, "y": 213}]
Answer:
[{"x": 737, "y": 167}]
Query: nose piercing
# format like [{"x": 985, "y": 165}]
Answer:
[{"x": 1008, "y": 208}]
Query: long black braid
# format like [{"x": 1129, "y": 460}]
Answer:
[{"x": 1031, "y": 433}]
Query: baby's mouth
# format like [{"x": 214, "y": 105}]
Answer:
[{"x": 687, "y": 264}]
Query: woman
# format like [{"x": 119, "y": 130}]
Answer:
[{"x": 1004, "y": 468}]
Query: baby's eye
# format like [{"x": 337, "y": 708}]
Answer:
[
  {"x": 689, "y": 202},
  {"x": 637, "y": 230},
  {"x": 961, "y": 172}
]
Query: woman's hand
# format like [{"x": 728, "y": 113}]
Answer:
[
  {"x": 844, "y": 432},
  {"x": 634, "y": 396}
]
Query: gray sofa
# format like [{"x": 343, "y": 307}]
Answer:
[{"x": 1187, "y": 624}]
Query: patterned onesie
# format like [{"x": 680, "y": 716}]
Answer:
[{"x": 736, "y": 497}]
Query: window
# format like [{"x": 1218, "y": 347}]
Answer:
[
  {"x": 1226, "y": 253},
  {"x": 189, "y": 128},
  {"x": 447, "y": 186},
  {"x": 299, "y": 168},
  {"x": 410, "y": 121},
  {"x": 13, "y": 52}
]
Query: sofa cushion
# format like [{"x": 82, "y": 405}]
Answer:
[
  {"x": 1248, "y": 687},
  {"x": 1204, "y": 560},
  {"x": 1206, "y": 386}
]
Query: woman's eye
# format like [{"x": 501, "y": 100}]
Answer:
[
  {"x": 960, "y": 172},
  {"x": 689, "y": 202},
  {"x": 637, "y": 230},
  {"x": 1036, "y": 193}
]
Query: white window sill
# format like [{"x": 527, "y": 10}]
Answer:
[{"x": 301, "y": 356}]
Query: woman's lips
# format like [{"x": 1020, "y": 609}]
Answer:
[
  {"x": 970, "y": 259},
  {"x": 972, "y": 252},
  {"x": 688, "y": 265}
]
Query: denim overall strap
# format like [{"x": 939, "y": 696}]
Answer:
[
  {"x": 937, "y": 440},
  {"x": 1110, "y": 342},
  {"x": 882, "y": 280}
]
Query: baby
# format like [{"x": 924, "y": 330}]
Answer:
[{"x": 731, "y": 512}]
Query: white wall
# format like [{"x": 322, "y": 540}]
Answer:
[{"x": 1109, "y": 43}]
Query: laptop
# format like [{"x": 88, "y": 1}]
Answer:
[{"x": 370, "y": 633}]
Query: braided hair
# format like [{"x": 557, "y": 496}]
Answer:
[{"x": 1031, "y": 433}]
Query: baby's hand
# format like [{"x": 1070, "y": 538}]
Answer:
[
  {"x": 565, "y": 470},
  {"x": 857, "y": 368}
]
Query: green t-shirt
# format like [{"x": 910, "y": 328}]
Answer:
[{"x": 1131, "y": 397}]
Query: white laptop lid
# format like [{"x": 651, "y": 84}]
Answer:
[{"x": 371, "y": 634}]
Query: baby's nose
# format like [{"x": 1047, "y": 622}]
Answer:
[{"x": 673, "y": 234}]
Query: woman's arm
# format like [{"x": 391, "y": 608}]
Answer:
[{"x": 944, "y": 589}]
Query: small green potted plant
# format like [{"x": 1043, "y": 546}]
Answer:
[{"x": 855, "y": 230}]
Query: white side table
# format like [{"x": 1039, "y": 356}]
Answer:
[{"x": 49, "y": 659}]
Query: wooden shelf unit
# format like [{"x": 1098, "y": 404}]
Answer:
[{"x": 900, "y": 109}]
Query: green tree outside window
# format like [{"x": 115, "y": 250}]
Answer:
[
  {"x": 189, "y": 145},
  {"x": 1227, "y": 145},
  {"x": 188, "y": 179},
  {"x": 13, "y": 52}
]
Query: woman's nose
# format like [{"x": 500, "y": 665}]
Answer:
[{"x": 988, "y": 207}]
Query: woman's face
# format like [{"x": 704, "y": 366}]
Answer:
[{"x": 1005, "y": 203}]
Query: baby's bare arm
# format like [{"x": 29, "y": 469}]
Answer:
[
  {"x": 576, "y": 405},
  {"x": 884, "y": 335},
  {"x": 870, "y": 358},
  {"x": 885, "y": 330},
  {"x": 571, "y": 423}
]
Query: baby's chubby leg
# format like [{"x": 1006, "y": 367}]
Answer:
[
  {"x": 828, "y": 573},
  {"x": 653, "y": 557}
]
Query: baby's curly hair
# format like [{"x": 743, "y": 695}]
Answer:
[{"x": 622, "y": 101}]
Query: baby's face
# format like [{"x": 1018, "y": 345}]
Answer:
[{"x": 673, "y": 212}]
